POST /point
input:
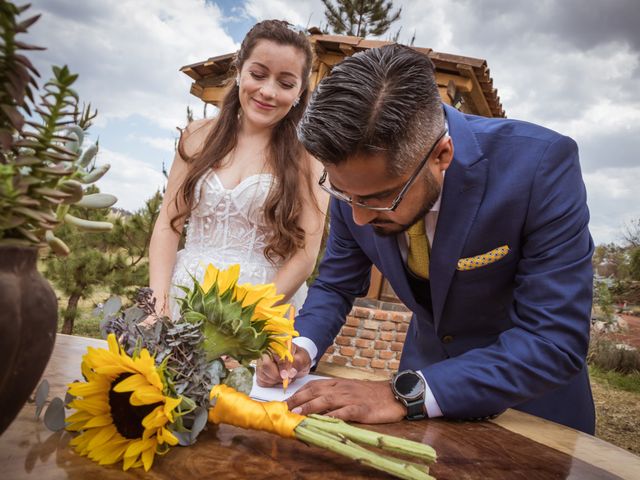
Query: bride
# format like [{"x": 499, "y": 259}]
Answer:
[{"x": 246, "y": 185}]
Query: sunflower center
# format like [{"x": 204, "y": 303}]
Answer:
[{"x": 126, "y": 417}]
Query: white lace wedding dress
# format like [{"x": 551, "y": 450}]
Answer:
[{"x": 227, "y": 227}]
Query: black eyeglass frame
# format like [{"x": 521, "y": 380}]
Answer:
[{"x": 394, "y": 205}]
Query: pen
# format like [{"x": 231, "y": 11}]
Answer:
[{"x": 285, "y": 380}]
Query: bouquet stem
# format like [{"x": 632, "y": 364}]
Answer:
[
  {"x": 386, "y": 442},
  {"x": 234, "y": 408},
  {"x": 340, "y": 437}
]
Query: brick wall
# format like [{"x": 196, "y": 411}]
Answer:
[{"x": 370, "y": 340}]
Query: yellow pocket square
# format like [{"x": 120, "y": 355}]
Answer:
[{"x": 478, "y": 261}]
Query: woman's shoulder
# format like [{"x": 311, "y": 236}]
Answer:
[{"x": 195, "y": 134}]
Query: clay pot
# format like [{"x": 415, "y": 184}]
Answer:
[{"x": 28, "y": 321}]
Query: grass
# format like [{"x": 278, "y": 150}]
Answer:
[
  {"x": 85, "y": 324},
  {"x": 617, "y": 410},
  {"x": 620, "y": 381}
]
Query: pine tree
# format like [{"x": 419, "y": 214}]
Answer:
[
  {"x": 117, "y": 261},
  {"x": 130, "y": 240},
  {"x": 85, "y": 268},
  {"x": 360, "y": 18}
]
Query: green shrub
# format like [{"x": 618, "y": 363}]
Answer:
[
  {"x": 629, "y": 383},
  {"x": 607, "y": 355}
]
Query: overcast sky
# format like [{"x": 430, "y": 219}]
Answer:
[{"x": 570, "y": 65}]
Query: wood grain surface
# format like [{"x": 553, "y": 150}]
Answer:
[{"x": 466, "y": 450}]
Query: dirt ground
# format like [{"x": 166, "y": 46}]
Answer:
[
  {"x": 617, "y": 416},
  {"x": 618, "y": 411}
]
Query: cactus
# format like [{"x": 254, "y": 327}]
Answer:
[{"x": 44, "y": 164}]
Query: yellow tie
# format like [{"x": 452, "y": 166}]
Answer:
[{"x": 418, "y": 258}]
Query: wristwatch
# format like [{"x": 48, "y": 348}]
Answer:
[{"x": 408, "y": 387}]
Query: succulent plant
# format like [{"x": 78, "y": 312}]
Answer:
[{"x": 44, "y": 167}]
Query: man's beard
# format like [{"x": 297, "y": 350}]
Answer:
[{"x": 431, "y": 197}]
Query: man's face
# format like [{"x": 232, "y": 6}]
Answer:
[{"x": 366, "y": 179}]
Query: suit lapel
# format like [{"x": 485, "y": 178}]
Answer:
[{"x": 462, "y": 193}]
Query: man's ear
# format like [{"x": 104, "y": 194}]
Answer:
[{"x": 445, "y": 154}]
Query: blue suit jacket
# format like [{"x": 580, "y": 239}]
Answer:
[{"x": 520, "y": 326}]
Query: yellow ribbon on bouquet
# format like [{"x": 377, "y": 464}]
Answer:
[{"x": 239, "y": 410}]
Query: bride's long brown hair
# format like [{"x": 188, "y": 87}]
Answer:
[{"x": 286, "y": 156}]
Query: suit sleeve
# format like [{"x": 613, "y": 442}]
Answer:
[
  {"x": 344, "y": 274},
  {"x": 550, "y": 313}
]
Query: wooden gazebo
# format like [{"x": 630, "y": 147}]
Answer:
[{"x": 464, "y": 82}]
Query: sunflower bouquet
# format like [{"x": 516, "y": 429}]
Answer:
[{"x": 155, "y": 387}]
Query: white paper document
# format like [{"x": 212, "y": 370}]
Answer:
[{"x": 276, "y": 394}]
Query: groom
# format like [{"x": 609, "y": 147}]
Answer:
[{"x": 479, "y": 225}]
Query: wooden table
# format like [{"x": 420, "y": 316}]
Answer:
[{"x": 513, "y": 446}]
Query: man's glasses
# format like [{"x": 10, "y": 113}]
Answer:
[{"x": 346, "y": 198}]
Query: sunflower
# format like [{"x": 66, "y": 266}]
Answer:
[
  {"x": 116, "y": 424},
  {"x": 242, "y": 321},
  {"x": 279, "y": 328}
]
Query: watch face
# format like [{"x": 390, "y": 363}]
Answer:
[{"x": 409, "y": 385}]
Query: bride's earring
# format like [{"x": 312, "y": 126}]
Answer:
[
  {"x": 237, "y": 80},
  {"x": 296, "y": 102}
]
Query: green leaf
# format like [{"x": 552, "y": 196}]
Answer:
[
  {"x": 57, "y": 170},
  {"x": 27, "y": 160},
  {"x": 95, "y": 174},
  {"x": 87, "y": 225},
  {"x": 88, "y": 155},
  {"x": 97, "y": 200},
  {"x": 135, "y": 315},
  {"x": 216, "y": 371},
  {"x": 112, "y": 306},
  {"x": 199, "y": 423},
  {"x": 16, "y": 119},
  {"x": 42, "y": 392},
  {"x": 241, "y": 379},
  {"x": 58, "y": 246},
  {"x": 54, "y": 417},
  {"x": 184, "y": 438},
  {"x": 25, "y": 24}
]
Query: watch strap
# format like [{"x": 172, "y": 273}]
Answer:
[{"x": 416, "y": 410}]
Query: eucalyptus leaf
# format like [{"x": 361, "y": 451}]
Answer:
[
  {"x": 241, "y": 379},
  {"x": 42, "y": 392},
  {"x": 112, "y": 306},
  {"x": 134, "y": 315},
  {"x": 54, "y": 417},
  {"x": 199, "y": 422},
  {"x": 104, "y": 324},
  {"x": 184, "y": 438},
  {"x": 217, "y": 371},
  {"x": 187, "y": 404},
  {"x": 157, "y": 329}
]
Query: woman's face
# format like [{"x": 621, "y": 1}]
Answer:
[{"x": 270, "y": 81}]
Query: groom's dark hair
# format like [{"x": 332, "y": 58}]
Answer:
[{"x": 379, "y": 100}]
